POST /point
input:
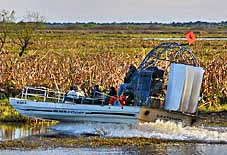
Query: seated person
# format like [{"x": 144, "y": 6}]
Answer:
[
  {"x": 112, "y": 96},
  {"x": 96, "y": 92},
  {"x": 73, "y": 93},
  {"x": 97, "y": 96},
  {"x": 123, "y": 86},
  {"x": 70, "y": 94},
  {"x": 127, "y": 79},
  {"x": 157, "y": 82},
  {"x": 112, "y": 91},
  {"x": 78, "y": 93}
]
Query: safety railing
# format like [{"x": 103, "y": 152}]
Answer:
[
  {"x": 42, "y": 94},
  {"x": 48, "y": 95}
]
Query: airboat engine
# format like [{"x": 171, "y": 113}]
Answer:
[
  {"x": 183, "y": 89},
  {"x": 169, "y": 79}
]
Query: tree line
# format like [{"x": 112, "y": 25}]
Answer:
[
  {"x": 21, "y": 33},
  {"x": 134, "y": 25}
]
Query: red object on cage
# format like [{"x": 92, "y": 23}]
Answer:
[{"x": 190, "y": 36}]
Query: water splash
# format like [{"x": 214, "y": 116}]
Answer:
[{"x": 159, "y": 129}]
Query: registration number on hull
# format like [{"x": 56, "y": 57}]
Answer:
[{"x": 21, "y": 102}]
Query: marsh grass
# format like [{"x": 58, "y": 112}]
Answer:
[{"x": 59, "y": 60}]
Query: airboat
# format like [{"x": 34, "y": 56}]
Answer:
[{"x": 165, "y": 86}]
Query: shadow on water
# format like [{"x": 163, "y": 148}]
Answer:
[{"x": 10, "y": 131}]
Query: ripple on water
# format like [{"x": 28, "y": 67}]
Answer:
[{"x": 159, "y": 129}]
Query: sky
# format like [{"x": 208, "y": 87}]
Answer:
[{"x": 164, "y": 11}]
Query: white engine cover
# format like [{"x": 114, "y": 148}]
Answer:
[{"x": 183, "y": 88}]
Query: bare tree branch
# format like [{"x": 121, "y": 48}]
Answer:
[
  {"x": 6, "y": 20},
  {"x": 26, "y": 29}
]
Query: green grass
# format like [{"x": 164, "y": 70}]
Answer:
[
  {"x": 211, "y": 108},
  {"x": 8, "y": 114}
]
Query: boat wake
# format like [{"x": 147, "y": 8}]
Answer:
[{"x": 159, "y": 130}]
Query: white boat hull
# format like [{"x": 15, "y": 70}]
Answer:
[{"x": 75, "y": 112}]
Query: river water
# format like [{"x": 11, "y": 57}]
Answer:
[
  {"x": 176, "y": 39},
  {"x": 207, "y": 140},
  {"x": 159, "y": 129},
  {"x": 187, "y": 149},
  {"x": 12, "y": 131}
]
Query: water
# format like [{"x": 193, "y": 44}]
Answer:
[
  {"x": 159, "y": 130},
  {"x": 176, "y": 39},
  {"x": 207, "y": 140},
  {"x": 9, "y": 131}
]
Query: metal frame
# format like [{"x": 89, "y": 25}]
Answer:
[
  {"x": 42, "y": 92},
  {"x": 164, "y": 48},
  {"x": 57, "y": 96}
]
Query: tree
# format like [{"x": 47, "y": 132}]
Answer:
[
  {"x": 25, "y": 30},
  {"x": 6, "y": 22}
]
